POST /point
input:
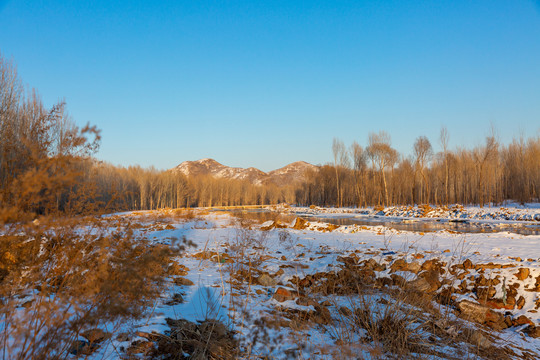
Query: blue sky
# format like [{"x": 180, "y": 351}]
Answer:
[{"x": 265, "y": 83}]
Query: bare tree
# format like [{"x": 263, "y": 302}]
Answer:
[
  {"x": 341, "y": 160},
  {"x": 444, "y": 137},
  {"x": 382, "y": 154},
  {"x": 482, "y": 156},
  {"x": 423, "y": 153},
  {"x": 359, "y": 163},
  {"x": 10, "y": 98}
]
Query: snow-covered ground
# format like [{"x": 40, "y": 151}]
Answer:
[
  {"x": 508, "y": 213},
  {"x": 243, "y": 272}
]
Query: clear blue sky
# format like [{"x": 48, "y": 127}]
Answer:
[{"x": 264, "y": 83}]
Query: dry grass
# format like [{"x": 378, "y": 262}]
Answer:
[
  {"x": 208, "y": 339},
  {"x": 61, "y": 277}
]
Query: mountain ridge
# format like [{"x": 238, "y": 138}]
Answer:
[{"x": 289, "y": 173}]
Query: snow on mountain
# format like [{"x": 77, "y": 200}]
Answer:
[{"x": 285, "y": 175}]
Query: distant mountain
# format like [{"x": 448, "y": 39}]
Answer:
[
  {"x": 293, "y": 172},
  {"x": 288, "y": 174}
]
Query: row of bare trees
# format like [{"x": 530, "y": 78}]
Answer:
[
  {"x": 135, "y": 188},
  {"x": 46, "y": 166},
  {"x": 379, "y": 175}
]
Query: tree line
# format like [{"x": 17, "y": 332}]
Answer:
[
  {"x": 134, "y": 188},
  {"x": 378, "y": 175},
  {"x": 47, "y": 167}
]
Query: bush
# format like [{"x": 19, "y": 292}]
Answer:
[{"x": 60, "y": 277}]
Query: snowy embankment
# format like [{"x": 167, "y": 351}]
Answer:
[
  {"x": 304, "y": 289},
  {"x": 529, "y": 212}
]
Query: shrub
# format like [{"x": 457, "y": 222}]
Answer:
[{"x": 60, "y": 277}]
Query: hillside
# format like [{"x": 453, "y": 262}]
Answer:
[{"x": 291, "y": 173}]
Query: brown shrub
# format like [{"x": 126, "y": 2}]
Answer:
[{"x": 72, "y": 275}]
